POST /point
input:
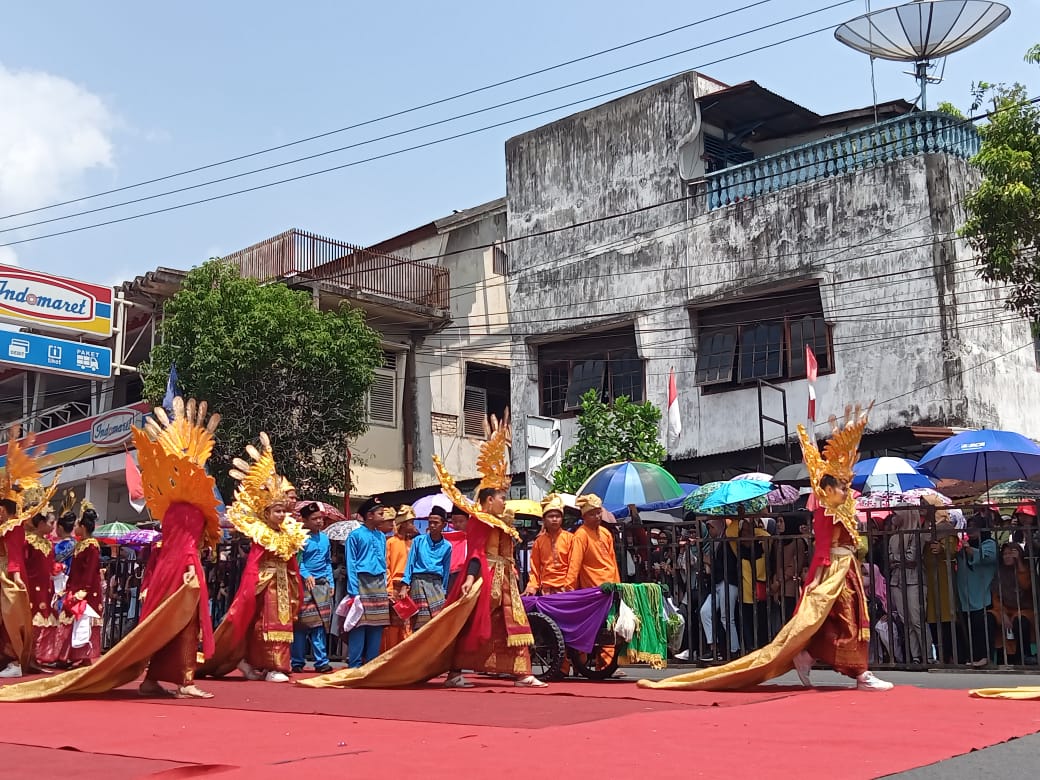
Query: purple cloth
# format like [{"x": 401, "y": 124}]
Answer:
[{"x": 580, "y": 614}]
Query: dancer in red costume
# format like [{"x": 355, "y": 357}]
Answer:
[
  {"x": 82, "y": 600},
  {"x": 256, "y": 634},
  {"x": 175, "y": 612},
  {"x": 39, "y": 570}
]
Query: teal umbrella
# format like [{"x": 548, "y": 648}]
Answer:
[{"x": 698, "y": 500}]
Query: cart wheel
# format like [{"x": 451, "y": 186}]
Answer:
[
  {"x": 547, "y": 652},
  {"x": 588, "y": 666}
]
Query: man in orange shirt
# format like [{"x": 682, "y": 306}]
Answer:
[
  {"x": 397, "y": 547},
  {"x": 551, "y": 551},
  {"x": 593, "y": 559}
]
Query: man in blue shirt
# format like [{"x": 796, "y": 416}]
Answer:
[
  {"x": 366, "y": 581},
  {"x": 316, "y": 610},
  {"x": 426, "y": 573}
]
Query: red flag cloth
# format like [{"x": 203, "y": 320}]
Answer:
[
  {"x": 811, "y": 370},
  {"x": 134, "y": 485},
  {"x": 674, "y": 419}
]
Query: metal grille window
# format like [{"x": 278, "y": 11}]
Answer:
[
  {"x": 382, "y": 395},
  {"x": 715, "y": 357},
  {"x": 474, "y": 412},
  {"x": 761, "y": 351},
  {"x": 608, "y": 363}
]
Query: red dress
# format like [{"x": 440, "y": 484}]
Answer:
[
  {"x": 39, "y": 568},
  {"x": 82, "y": 589},
  {"x": 15, "y": 614}
]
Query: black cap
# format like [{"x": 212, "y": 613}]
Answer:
[
  {"x": 437, "y": 511},
  {"x": 369, "y": 505}
]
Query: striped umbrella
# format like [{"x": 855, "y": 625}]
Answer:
[
  {"x": 631, "y": 482},
  {"x": 888, "y": 475}
]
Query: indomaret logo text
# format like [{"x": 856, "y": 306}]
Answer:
[{"x": 45, "y": 300}]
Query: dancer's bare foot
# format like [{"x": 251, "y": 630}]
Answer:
[
  {"x": 152, "y": 688},
  {"x": 192, "y": 692}
]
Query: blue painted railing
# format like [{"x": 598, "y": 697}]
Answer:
[{"x": 905, "y": 136}]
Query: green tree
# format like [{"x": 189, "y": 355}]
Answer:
[
  {"x": 1003, "y": 224},
  {"x": 267, "y": 360},
  {"x": 608, "y": 433}
]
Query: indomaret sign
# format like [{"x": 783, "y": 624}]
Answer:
[{"x": 54, "y": 303}]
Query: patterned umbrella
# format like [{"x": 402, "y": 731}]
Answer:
[
  {"x": 779, "y": 495},
  {"x": 112, "y": 532},
  {"x": 698, "y": 500},
  {"x": 139, "y": 537},
  {"x": 631, "y": 482},
  {"x": 913, "y": 497},
  {"x": 1016, "y": 490},
  {"x": 332, "y": 514},
  {"x": 338, "y": 532}
]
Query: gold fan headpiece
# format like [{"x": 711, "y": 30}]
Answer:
[
  {"x": 68, "y": 503},
  {"x": 172, "y": 455},
  {"x": 21, "y": 480},
  {"x": 493, "y": 465},
  {"x": 837, "y": 460},
  {"x": 260, "y": 486}
]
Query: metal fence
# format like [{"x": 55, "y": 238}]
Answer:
[{"x": 937, "y": 596}]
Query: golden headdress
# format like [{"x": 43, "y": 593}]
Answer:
[
  {"x": 493, "y": 466},
  {"x": 552, "y": 502},
  {"x": 839, "y": 455},
  {"x": 21, "y": 479},
  {"x": 68, "y": 503},
  {"x": 172, "y": 455},
  {"x": 260, "y": 486}
]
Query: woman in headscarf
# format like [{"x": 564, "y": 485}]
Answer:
[
  {"x": 1013, "y": 606},
  {"x": 905, "y": 589}
]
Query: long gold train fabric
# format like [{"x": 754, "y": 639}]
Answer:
[
  {"x": 424, "y": 655},
  {"x": 124, "y": 663},
  {"x": 777, "y": 657},
  {"x": 16, "y": 613},
  {"x": 1024, "y": 693}
]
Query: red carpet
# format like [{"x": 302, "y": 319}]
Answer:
[{"x": 612, "y": 730}]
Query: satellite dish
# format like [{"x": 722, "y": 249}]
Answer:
[{"x": 922, "y": 31}]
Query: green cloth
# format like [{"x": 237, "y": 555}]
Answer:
[{"x": 649, "y": 644}]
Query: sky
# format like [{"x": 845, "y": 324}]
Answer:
[{"x": 97, "y": 97}]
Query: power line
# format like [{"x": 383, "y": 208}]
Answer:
[{"x": 399, "y": 113}]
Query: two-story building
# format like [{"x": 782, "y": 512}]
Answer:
[{"x": 717, "y": 231}]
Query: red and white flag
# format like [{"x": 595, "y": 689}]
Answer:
[
  {"x": 811, "y": 368},
  {"x": 674, "y": 419},
  {"x": 134, "y": 484}
]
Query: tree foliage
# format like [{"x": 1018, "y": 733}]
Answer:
[
  {"x": 267, "y": 360},
  {"x": 1003, "y": 224},
  {"x": 608, "y": 433}
]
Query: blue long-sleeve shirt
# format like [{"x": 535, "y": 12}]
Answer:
[
  {"x": 428, "y": 557},
  {"x": 366, "y": 554},
  {"x": 316, "y": 557}
]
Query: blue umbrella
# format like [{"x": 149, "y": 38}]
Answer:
[
  {"x": 888, "y": 475},
  {"x": 735, "y": 493},
  {"x": 983, "y": 456},
  {"x": 671, "y": 506},
  {"x": 632, "y": 482}
]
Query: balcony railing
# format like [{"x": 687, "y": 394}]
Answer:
[
  {"x": 346, "y": 265},
  {"x": 905, "y": 136}
]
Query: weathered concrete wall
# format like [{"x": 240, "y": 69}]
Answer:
[{"x": 910, "y": 319}]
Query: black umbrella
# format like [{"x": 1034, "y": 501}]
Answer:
[{"x": 796, "y": 475}]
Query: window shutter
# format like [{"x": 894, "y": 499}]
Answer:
[
  {"x": 474, "y": 412},
  {"x": 382, "y": 398}
]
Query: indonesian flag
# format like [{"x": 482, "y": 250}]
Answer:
[
  {"x": 674, "y": 420},
  {"x": 811, "y": 369},
  {"x": 134, "y": 485}
]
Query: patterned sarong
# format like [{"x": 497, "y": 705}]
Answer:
[
  {"x": 316, "y": 609},
  {"x": 374, "y": 600},
  {"x": 427, "y": 591}
]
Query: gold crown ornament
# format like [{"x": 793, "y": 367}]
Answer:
[
  {"x": 493, "y": 466},
  {"x": 172, "y": 455},
  {"x": 68, "y": 503},
  {"x": 837, "y": 460},
  {"x": 21, "y": 479},
  {"x": 260, "y": 487}
]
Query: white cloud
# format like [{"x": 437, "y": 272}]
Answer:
[{"x": 52, "y": 131}]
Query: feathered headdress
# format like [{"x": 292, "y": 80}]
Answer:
[
  {"x": 172, "y": 454},
  {"x": 839, "y": 455},
  {"x": 260, "y": 486},
  {"x": 68, "y": 503},
  {"x": 21, "y": 479},
  {"x": 493, "y": 466}
]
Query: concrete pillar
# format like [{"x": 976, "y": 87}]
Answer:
[{"x": 97, "y": 494}]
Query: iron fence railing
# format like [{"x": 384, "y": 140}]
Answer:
[
  {"x": 346, "y": 265},
  {"x": 905, "y": 136},
  {"x": 937, "y": 596}
]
